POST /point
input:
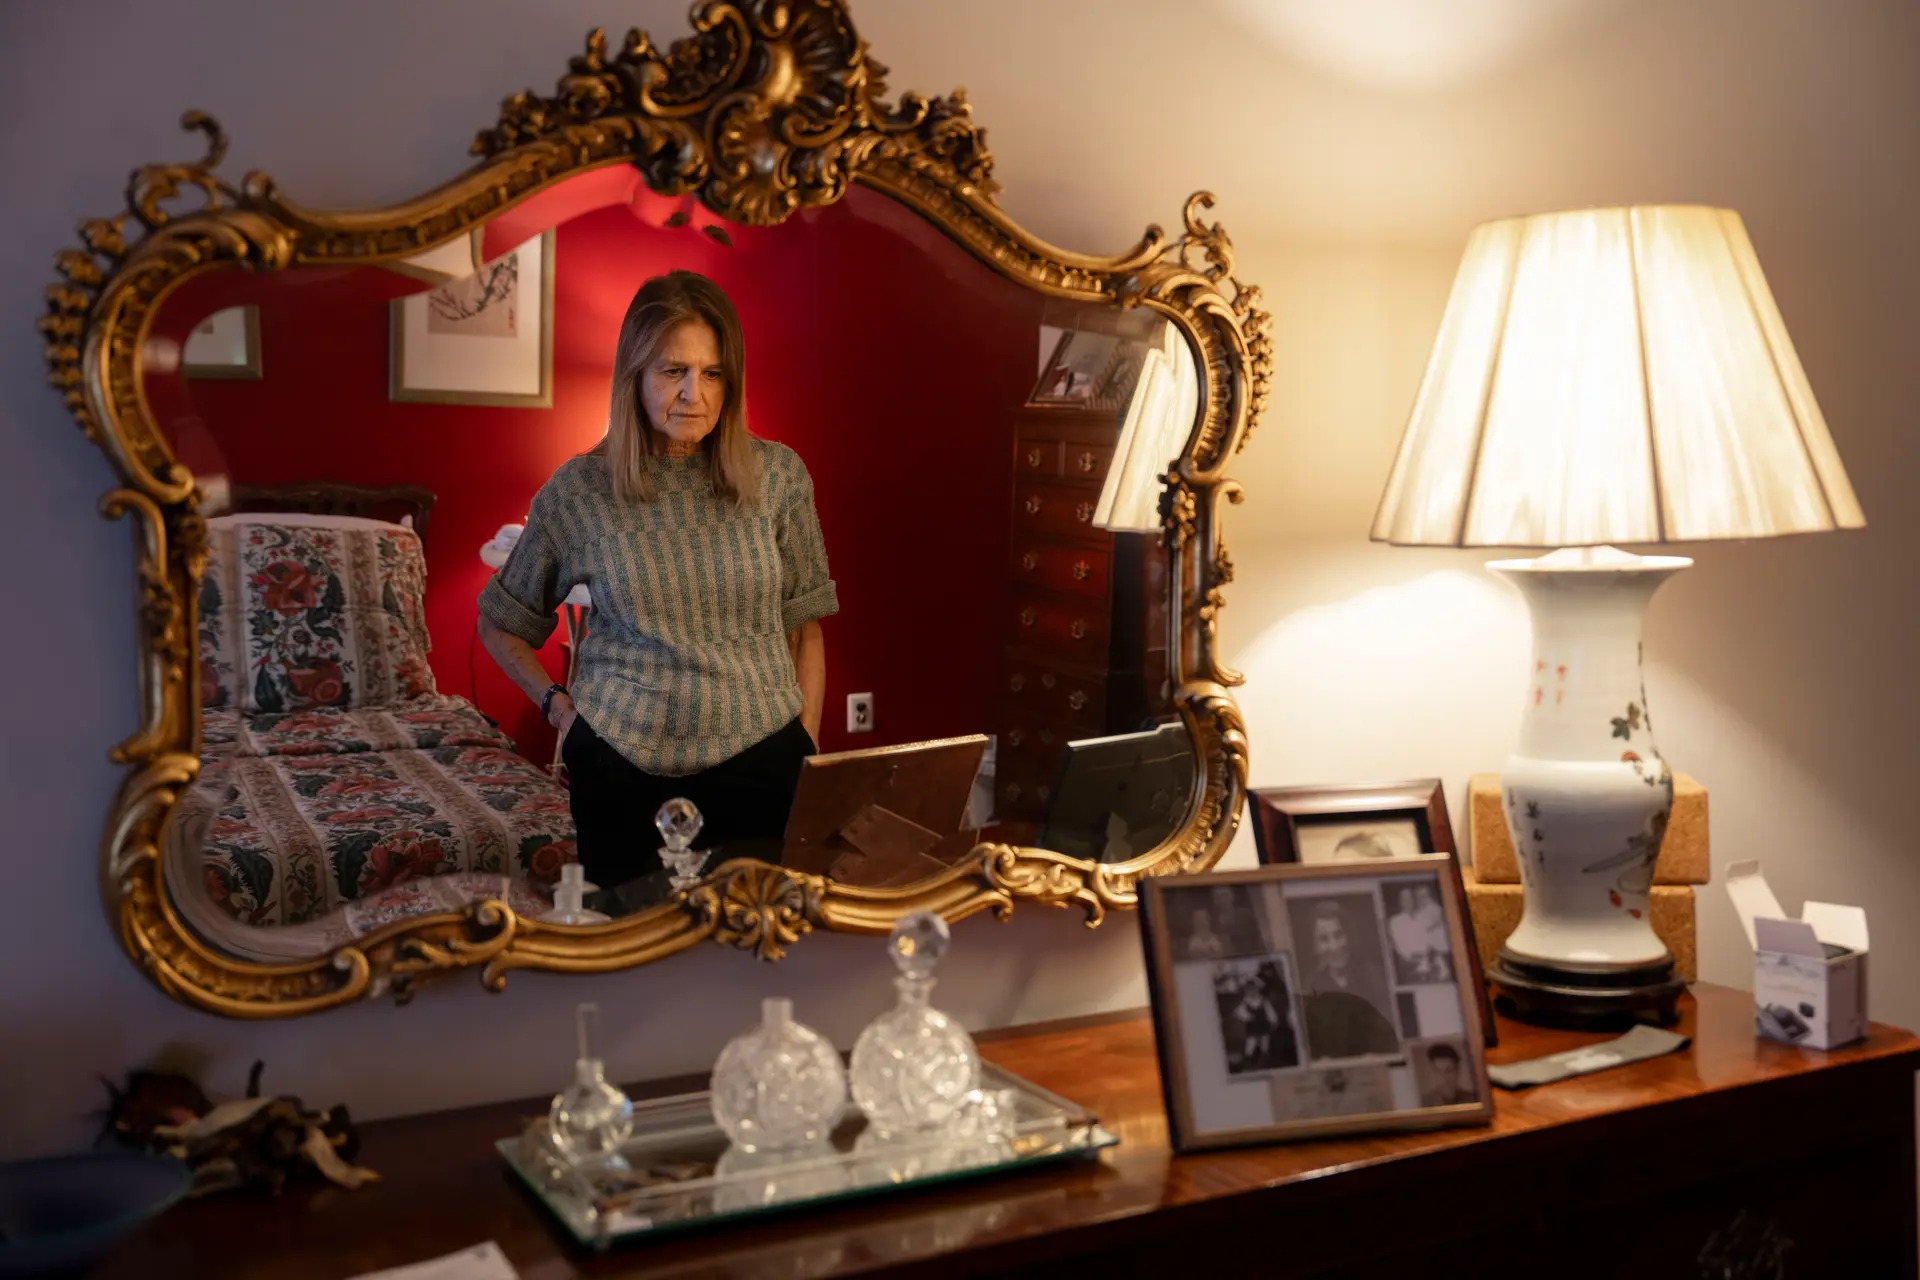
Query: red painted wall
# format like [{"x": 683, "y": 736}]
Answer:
[{"x": 882, "y": 352}]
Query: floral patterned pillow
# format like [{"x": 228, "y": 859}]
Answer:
[{"x": 294, "y": 617}]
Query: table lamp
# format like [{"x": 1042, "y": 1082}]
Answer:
[{"x": 1603, "y": 376}]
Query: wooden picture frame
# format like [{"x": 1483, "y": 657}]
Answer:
[
  {"x": 508, "y": 369},
  {"x": 1283, "y": 815},
  {"x": 1302, "y": 1001}
]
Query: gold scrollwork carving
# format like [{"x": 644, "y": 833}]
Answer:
[
  {"x": 767, "y": 107},
  {"x": 756, "y": 906}
]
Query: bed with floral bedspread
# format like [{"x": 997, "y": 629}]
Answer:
[{"x": 338, "y": 787}]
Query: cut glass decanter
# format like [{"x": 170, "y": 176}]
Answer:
[
  {"x": 780, "y": 1085},
  {"x": 914, "y": 1067},
  {"x": 679, "y": 822},
  {"x": 590, "y": 1118}
]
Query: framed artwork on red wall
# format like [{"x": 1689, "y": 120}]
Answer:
[{"x": 483, "y": 339}]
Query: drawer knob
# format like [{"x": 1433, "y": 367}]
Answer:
[
  {"x": 1016, "y": 683},
  {"x": 1034, "y": 457},
  {"x": 1042, "y": 792},
  {"x": 1077, "y": 699},
  {"x": 1080, "y": 570},
  {"x": 1079, "y": 629},
  {"x": 1087, "y": 462},
  {"x": 1013, "y": 791},
  {"x": 1030, "y": 561},
  {"x": 1046, "y": 737},
  {"x": 1016, "y": 736},
  {"x": 1028, "y": 617},
  {"x": 1047, "y": 681},
  {"x": 1083, "y": 513},
  {"x": 1033, "y": 505}
]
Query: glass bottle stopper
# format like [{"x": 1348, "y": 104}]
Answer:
[
  {"x": 918, "y": 942},
  {"x": 679, "y": 821},
  {"x": 569, "y": 898}
]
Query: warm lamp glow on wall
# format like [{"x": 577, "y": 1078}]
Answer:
[{"x": 1603, "y": 376}]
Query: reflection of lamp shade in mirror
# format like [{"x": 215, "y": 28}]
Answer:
[
  {"x": 1159, "y": 416},
  {"x": 1613, "y": 375},
  {"x": 455, "y": 260},
  {"x": 225, "y": 344}
]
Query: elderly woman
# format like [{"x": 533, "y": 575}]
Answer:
[{"x": 705, "y": 671}]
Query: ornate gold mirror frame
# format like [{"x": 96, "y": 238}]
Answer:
[{"x": 771, "y": 105}]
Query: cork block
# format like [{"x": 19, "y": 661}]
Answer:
[
  {"x": 1495, "y": 909},
  {"x": 1683, "y": 854}
]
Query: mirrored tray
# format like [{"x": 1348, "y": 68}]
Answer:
[{"x": 677, "y": 1172}]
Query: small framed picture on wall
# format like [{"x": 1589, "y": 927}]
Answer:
[
  {"x": 485, "y": 338},
  {"x": 1362, "y": 823},
  {"x": 1301, "y": 1001}
]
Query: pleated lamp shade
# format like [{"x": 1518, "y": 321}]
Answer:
[{"x": 1613, "y": 376}]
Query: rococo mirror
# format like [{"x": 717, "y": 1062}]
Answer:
[{"x": 328, "y": 428}]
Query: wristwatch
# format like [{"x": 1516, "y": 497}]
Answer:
[{"x": 546, "y": 703}]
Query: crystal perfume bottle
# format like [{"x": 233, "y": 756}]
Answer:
[
  {"x": 590, "y": 1118},
  {"x": 569, "y": 898},
  {"x": 913, "y": 1066},
  {"x": 679, "y": 822},
  {"x": 780, "y": 1085}
]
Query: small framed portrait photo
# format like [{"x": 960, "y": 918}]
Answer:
[
  {"x": 1362, "y": 823},
  {"x": 1351, "y": 822},
  {"x": 1303, "y": 1000}
]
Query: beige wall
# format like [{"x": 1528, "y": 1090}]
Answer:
[{"x": 1351, "y": 150}]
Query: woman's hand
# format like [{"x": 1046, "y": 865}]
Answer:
[{"x": 561, "y": 713}]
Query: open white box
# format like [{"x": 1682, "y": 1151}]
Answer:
[{"x": 1810, "y": 973}]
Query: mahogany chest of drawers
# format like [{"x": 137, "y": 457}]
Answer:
[{"x": 1086, "y": 628}]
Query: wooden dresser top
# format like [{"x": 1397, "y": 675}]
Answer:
[{"x": 444, "y": 1187}]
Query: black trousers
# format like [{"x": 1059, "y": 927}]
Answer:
[{"x": 614, "y": 800}]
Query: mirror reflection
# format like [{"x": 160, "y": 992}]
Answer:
[{"x": 826, "y": 528}]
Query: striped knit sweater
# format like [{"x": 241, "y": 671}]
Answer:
[{"x": 686, "y": 661}]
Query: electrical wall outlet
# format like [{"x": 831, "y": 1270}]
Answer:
[{"x": 859, "y": 713}]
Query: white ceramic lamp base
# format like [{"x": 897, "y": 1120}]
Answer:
[{"x": 1587, "y": 795}]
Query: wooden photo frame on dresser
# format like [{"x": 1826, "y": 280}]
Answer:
[
  {"x": 1297, "y": 1001},
  {"x": 1361, "y": 822}
]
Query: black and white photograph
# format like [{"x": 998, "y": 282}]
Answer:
[
  {"x": 1311, "y": 1035},
  {"x": 1346, "y": 997},
  {"x": 1369, "y": 840},
  {"x": 1363, "y": 1089},
  {"x": 1417, "y": 933},
  {"x": 1218, "y": 922},
  {"x": 1443, "y": 1075},
  {"x": 1257, "y": 1025}
]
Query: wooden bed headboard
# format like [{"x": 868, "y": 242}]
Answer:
[{"x": 326, "y": 498}]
